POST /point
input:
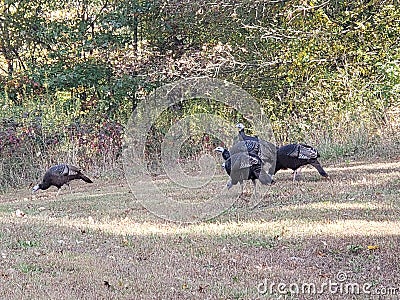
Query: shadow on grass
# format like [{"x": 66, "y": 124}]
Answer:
[
  {"x": 101, "y": 243},
  {"x": 81, "y": 262}
]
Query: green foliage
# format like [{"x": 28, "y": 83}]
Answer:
[{"x": 71, "y": 73}]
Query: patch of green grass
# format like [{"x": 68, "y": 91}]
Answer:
[
  {"x": 238, "y": 295},
  {"x": 354, "y": 249},
  {"x": 24, "y": 244},
  {"x": 28, "y": 268}
]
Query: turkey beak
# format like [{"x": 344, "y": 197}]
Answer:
[
  {"x": 35, "y": 188},
  {"x": 229, "y": 185}
]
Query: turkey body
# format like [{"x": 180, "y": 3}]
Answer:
[
  {"x": 243, "y": 136},
  {"x": 240, "y": 165},
  {"x": 295, "y": 156},
  {"x": 292, "y": 156},
  {"x": 266, "y": 151},
  {"x": 59, "y": 175}
]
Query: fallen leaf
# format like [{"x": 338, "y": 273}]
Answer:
[{"x": 373, "y": 247}]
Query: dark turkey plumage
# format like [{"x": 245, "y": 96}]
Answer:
[
  {"x": 240, "y": 165},
  {"x": 292, "y": 156},
  {"x": 227, "y": 159},
  {"x": 59, "y": 175},
  {"x": 266, "y": 151},
  {"x": 295, "y": 156}
]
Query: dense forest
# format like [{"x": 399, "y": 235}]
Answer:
[{"x": 71, "y": 72}]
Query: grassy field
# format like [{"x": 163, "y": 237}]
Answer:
[{"x": 315, "y": 239}]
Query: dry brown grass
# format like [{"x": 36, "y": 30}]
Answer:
[{"x": 99, "y": 243}]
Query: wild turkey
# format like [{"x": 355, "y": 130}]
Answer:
[
  {"x": 266, "y": 151},
  {"x": 296, "y": 156},
  {"x": 243, "y": 135},
  {"x": 240, "y": 166},
  {"x": 59, "y": 175},
  {"x": 227, "y": 159}
]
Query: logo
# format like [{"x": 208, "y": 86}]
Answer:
[{"x": 184, "y": 196}]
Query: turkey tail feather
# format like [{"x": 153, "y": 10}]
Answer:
[
  {"x": 319, "y": 168},
  {"x": 306, "y": 152},
  {"x": 85, "y": 178}
]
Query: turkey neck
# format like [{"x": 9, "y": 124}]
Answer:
[{"x": 226, "y": 155}]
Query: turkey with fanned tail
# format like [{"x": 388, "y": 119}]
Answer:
[
  {"x": 266, "y": 151},
  {"x": 59, "y": 175}
]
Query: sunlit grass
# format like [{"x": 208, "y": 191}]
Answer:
[
  {"x": 293, "y": 228},
  {"x": 101, "y": 241}
]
